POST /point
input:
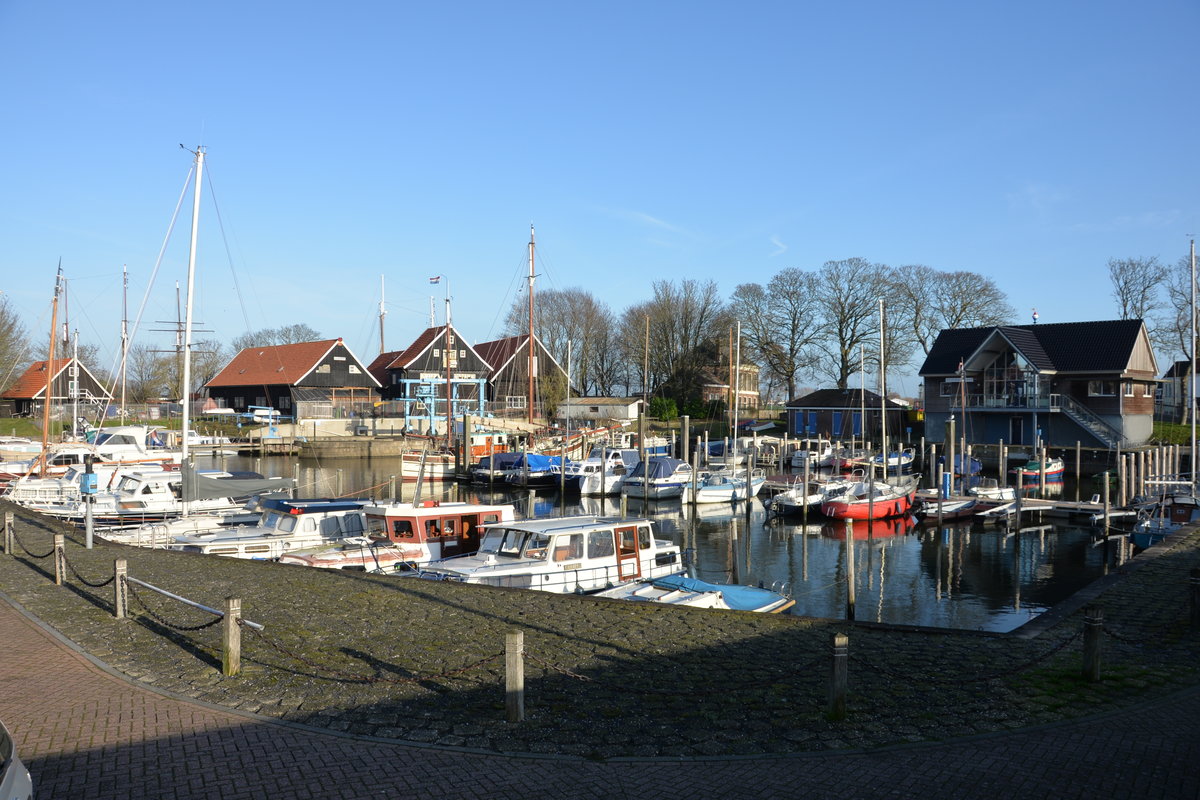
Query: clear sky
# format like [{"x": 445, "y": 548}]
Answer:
[{"x": 1028, "y": 141}]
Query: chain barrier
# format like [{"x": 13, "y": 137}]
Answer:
[
  {"x": 29, "y": 552},
  {"x": 1154, "y": 637},
  {"x": 84, "y": 580},
  {"x": 350, "y": 676},
  {"x": 978, "y": 678},
  {"x": 368, "y": 489},
  {"x": 133, "y": 592}
]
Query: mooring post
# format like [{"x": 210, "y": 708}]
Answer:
[
  {"x": 1093, "y": 628},
  {"x": 392, "y": 488},
  {"x": 8, "y": 532},
  {"x": 1078, "y": 467},
  {"x": 120, "y": 589},
  {"x": 231, "y": 637},
  {"x": 838, "y": 675},
  {"x": 514, "y": 676},
  {"x": 625, "y": 504},
  {"x": 60, "y": 558},
  {"x": 850, "y": 580},
  {"x": 529, "y": 505},
  {"x": 339, "y": 483},
  {"x": 295, "y": 479},
  {"x": 1194, "y": 585}
]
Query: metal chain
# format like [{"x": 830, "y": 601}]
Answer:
[
  {"x": 350, "y": 676},
  {"x": 162, "y": 621},
  {"x": 84, "y": 580},
  {"x": 28, "y": 552}
]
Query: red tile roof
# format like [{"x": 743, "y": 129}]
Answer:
[
  {"x": 33, "y": 382},
  {"x": 498, "y": 352},
  {"x": 279, "y": 364}
]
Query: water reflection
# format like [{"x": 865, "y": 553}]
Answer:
[{"x": 959, "y": 575}]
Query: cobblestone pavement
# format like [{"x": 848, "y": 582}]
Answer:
[{"x": 145, "y": 713}]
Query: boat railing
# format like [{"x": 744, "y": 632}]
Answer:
[{"x": 567, "y": 581}]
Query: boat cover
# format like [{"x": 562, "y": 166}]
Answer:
[
  {"x": 537, "y": 462},
  {"x": 201, "y": 486},
  {"x": 499, "y": 461},
  {"x": 657, "y": 467},
  {"x": 739, "y": 598}
]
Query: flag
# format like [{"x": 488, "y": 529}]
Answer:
[{"x": 436, "y": 279}]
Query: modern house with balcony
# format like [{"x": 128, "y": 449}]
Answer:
[{"x": 1054, "y": 384}]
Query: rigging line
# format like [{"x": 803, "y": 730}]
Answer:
[{"x": 522, "y": 273}]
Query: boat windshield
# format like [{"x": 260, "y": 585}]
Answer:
[
  {"x": 273, "y": 519},
  {"x": 514, "y": 543}
]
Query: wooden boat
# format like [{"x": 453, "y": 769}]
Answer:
[
  {"x": 892, "y": 497},
  {"x": 408, "y": 535},
  {"x": 1055, "y": 468},
  {"x": 680, "y": 590},
  {"x": 563, "y": 555},
  {"x": 725, "y": 486}
]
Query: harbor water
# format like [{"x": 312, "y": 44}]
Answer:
[{"x": 967, "y": 574}]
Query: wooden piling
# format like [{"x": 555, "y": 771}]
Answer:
[
  {"x": 231, "y": 637},
  {"x": 60, "y": 558},
  {"x": 839, "y": 673},
  {"x": 514, "y": 676},
  {"x": 120, "y": 589},
  {"x": 1093, "y": 629},
  {"x": 850, "y": 578},
  {"x": 8, "y": 533}
]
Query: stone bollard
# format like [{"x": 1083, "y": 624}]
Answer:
[
  {"x": 120, "y": 589},
  {"x": 1194, "y": 584},
  {"x": 1093, "y": 629},
  {"x": 231, "y": 637},
  {"x": 60, "y": 558},
  {"x": 838, "y": 675},
  {"x": 514, "y": 676},
  {"x": 8, "y": 533}
]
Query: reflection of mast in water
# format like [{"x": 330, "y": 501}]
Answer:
[{"x": 882, "y": 563}]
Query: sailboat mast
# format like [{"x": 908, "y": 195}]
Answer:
[
  {"x": 1192, "y": 373},
  {"x": 382, "y": 314},
  {"x": 883, "y": 387},
  {"x": 531, "y": 358},
  {"x": 73, "y": 383},
  {"x": 737, "y": 374},
  {"x": 124, "y": 333},
  {"x": 448, "y": 350},
  {"x": 187, "y": 319},
  {"x": 50, "y": 368}
]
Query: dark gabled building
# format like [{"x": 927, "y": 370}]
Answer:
[
  {"x": 508, "y": 382},
  {"x": 416, "y": 376},
  {"x": 308, "y": 379},
  {"x": 1062, "y": 383},
  {"x": 1171, "y": 394},
  {"x": 29, "y": 391},
  {"x": 842, "y": 415}
]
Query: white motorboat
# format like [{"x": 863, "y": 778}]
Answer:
[
  {"x": 989, "y": 489},
  {"x": 725, "y": 486},
  {"x": 163, "y": 533},
  {"x": 657, "y": 478},
  {"x": 563, "y": 555},
  {"x": 125, "y": 444},
  {"x": 811, "y": 452},
  {"x": 284, "y": 526},
  {"x": 601, "y": 473},
  {"x": 408, "y": 535},
  {"x": 680, "y": 590},
  {"x": 810, "y": 496}
]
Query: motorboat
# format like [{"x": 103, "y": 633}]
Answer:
[
  {"x": 725, "y": 486},
  {"x": 493, "y": 468},
  {"x": 1054, "y": 469},
  {"x": 285, "y": 525},
  {"x": 563, "y": 555},
  {"x": 657, "y": 478},
  {"x": 801, "y": 496},
  {"x": 125, "y": 444},
  {"x": 409, "y": 535},
  {"x": 601, "y": 473},
  {"x": 948, "y": 508},
  {"x": 163, "y": 533},
  {"x": 1172, "y": 512},
  {"x": 880, "y": 499},
  {"x": 680, "y": 590},
  {"x": 811, "y": 452},
  {"x": 535, "y": 470},
  {"x": 989, "y": 489}
]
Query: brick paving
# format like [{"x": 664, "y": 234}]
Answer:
[{"x": 90, "y": 731}]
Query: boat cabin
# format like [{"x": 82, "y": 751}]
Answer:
[{"x": 430, "y": 529}]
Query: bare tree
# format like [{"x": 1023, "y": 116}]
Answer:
[
  {"x": 1135, "y": 284},
  {"x": 574, "y": 316},
  {"x": 847, "y": 293},
  {"x": 148, "y": 373},
  {"x": 779, "y": 324},
  {"x": 269, "y": 337},
  {"x": 14, "y": 344}
]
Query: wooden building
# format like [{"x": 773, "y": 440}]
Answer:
[
  {"x": 72, "y": 382},
  {"x": 414, "y": 380},
  {"x": 307, "y": 379},
  {"x": 1053, "y": 384},
  {"x": 844, "y": 415},
  {"x": 508, "y": 382}
]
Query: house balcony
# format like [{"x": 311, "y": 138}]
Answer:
[{"x": 1013, "y": 402}]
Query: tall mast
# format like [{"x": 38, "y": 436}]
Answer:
[
  {"x": 449, "y": 350},
  {"x": 531, "y": 358},
  {"x": 382, "y": 314},
  {"x": 187, "y": 319},
  {"x": 73, "y": 383},
  {"x": 50, "y": 368},
  {"x": 1192, "y": 373},
  {"x": 737, "y": 379},
  {"x": 729, "y": 394},
  {"x": 124, "y": 333},
  {"x": 883, "y": 388}
]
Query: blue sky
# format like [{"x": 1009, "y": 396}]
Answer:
[{"x": 1027, "y": 141}]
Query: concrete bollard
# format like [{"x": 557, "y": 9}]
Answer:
[
  {"x": 231, "y": 637},
  {"x": 514, "y": 676},
  {"x": 60, "y": 558},
  {"x": 120, "y": 589},
  {"x": 838, "y": 677},
  {"x": 1093, "y": 629}
]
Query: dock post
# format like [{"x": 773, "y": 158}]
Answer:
[
  {"x": 339, "y": 483},
  {"x": 1003, "y": 466},
  {"x": 1093, "y": 628},
  {"x": 838, "y": 677},
  {"x": 8, "y": 533},
  {"x": 1120, "y": 480},
  {"x": 392, "y": 488},
  {"x": 529, "y": 504},
  {"x": 231, "y": 637},
  {"x": 60, "y": 558},
  {"x": 624, "y": 505},
  {"x": 1194, "y": 585},
  {"x": 1078, "y": 467},
  {"x": 295, "y": 479},
  {"x": 120, "y": 589},
  {"x": 685, "y": 440},
  {"x": 514, "y": 676}
]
